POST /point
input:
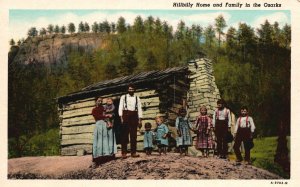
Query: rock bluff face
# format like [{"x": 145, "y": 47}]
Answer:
[{"x": 55, "y": 48}]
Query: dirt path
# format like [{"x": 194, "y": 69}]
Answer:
[{"x": 170, "y": 166}]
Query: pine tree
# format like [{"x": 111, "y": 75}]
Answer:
[
  {"x": 50, "y": 29},
  {"x": 86, "y": 27},
  {"x": 71, "y": 28},
  {"x": 138, "y": 25},
  {"x": 43, "y": 31},
  {"x": 12, "y": 42},
  {"x": 121, "y": 25},
  {"x": 56, "y": 29},
  {"x": 81, "y": 27},
  {"x": 63, "y": 29},
  {"x": 32, "y": 32},
  {"x": 95, "y": 27},
  {"x": 220, "y": 24}
]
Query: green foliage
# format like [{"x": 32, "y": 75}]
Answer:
[
  {"x": 44, "y": 144},
  {"x": 263, "y": 155}
]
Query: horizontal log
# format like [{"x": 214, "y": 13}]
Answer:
[
  {"x": 77, "y": 136},
  {"x": 78, "y": 129},
  {"x": 78, "y": 120},
  {"x": 76, "y": 141},
  {"x": 72, "y": 150}
]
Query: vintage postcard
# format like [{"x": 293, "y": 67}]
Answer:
[{"x": 160, "y": 92}]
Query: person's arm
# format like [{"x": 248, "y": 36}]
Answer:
[
  {"x": 252, "y": 126},
  {"x": 166, "y": 131},
  {"x": 229, "y": 118},
  {"x": 236, "y": 127},
  {"x": 214, "y": 120},
  {"x": 140, "y": 112},
  {"x": 121, "y": 105}
]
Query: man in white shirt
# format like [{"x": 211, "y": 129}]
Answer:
[
  {"x": 243, "y": 132},
  {"x": 222, "y": 124},
  {"x": 130, "y": 112}
]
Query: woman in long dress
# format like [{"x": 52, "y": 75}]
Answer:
[{"x": 104, "y": 143}]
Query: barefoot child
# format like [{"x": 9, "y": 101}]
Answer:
[
  {"x": 244, "y": 129},
  {"x": 109, "y": 109},
  {"x": 183, "y": 126},
  {"x": 161, "y": 136},
  {"x": 203, "y": 131},
  {"x": 148, "y": 139}
]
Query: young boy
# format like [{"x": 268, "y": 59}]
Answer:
[
  {"x": 243, "y": 132},
  {"x": 148, "y": 139},
  {"x": 109, "y": 109},
  {"x": 222, "y": 124}
]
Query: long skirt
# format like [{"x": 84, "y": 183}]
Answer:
[
  {"x": 204, "y": 141},
  {"x": 104, "y": 143}
]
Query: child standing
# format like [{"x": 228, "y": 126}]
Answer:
[
  {"x": 161, "y": 136},
  {"x": 183, "y": 126},
  {"x": 109, "y": 109},
  {"x": 203, "y": 131},
  {"x": 244, "y": 129},
  {"x": 148, "y": 139},
  {"x": 222, "y": 124}
]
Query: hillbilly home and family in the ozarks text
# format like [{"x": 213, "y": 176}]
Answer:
[
  {"x": 227, "y": 4},
  {"x": 169, "y": 100}
]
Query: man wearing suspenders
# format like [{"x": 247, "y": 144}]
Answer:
[
  {"x": 222, "y": 124},
  {"x": 130, "y": 112},
  {"x": 243, "y": 131}
]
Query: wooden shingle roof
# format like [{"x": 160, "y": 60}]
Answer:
[{"x": 140, "y": 80}]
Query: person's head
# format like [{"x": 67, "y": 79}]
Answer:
[
  {"x": 98, "y": 101},
  {"x": 244, "y": 111},
  {"x": 109, "y": 101},
  {"x": 182, "y": 112},
  {"x": 159, "y": 120},
  {"x": 220, "y": 104},
  {"x": 148, "y": 126},
  {"x": 203, "y": 110},
  {"x": 130, "y": 89}
]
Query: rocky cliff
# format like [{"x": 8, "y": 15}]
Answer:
[{"x": 55, "y": 48}]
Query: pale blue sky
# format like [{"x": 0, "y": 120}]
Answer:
[{"x": 21, "y": 20}]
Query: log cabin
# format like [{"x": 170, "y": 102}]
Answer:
[{"x": 162, "y": 93}]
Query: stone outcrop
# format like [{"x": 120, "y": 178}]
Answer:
[{"x": 55, "y": 48}]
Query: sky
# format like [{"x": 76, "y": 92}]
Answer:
[{"x": 21, "y": 20}]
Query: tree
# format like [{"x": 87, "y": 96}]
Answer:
[
  {"x": 220, "y": 24},
  {"x": 43, "y": 31},
  {"x": 113, "y": 27},
  {"x": 12, "y": 42},
  {"x": 157, "y": 26},
  {"x": 181, "y": 29},
  {"x": 287, "y": 35},
  {"x": 32, "y": 32},
  {"x": 231, "y": 41},
  {"x": 246, "y": 40},
  {"x": 121, "y": 25},
  {"x": 149, "y": 24},
  {"x": 95, "y": 27},
  {"x": 209, "y": 33},
  {"x": 50, "y": 28},
  {"x": 106, "y": 27},
  {"x": 19, "y": 42},
  {"x": 63, "y": 29},
  {"x": 138, "y": 25},
  {"x": 81, "y": 27},
  {"x": 86, "y": 27},
  {"x": 71, "y": 28},
  {"x": 128, "y": 61},
  {"x": 56, "y": 29}
]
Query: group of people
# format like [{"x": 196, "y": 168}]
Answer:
[{"x": 130, "y": 112}]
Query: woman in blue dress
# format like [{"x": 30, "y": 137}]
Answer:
[{"x": 104, "y": 143}]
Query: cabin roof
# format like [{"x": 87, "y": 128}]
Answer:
[{"x": 140, "y": 80}]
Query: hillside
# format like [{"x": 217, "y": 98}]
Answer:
[
  {"x": 170, "y": 166},
  {"x": 54, "y": 49}
]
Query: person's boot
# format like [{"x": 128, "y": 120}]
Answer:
[
  {"x": 134, "y": 155},
  {"x": 124, "y": 155}
]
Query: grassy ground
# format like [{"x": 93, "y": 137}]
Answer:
[{"x": 262, "y": 155}]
